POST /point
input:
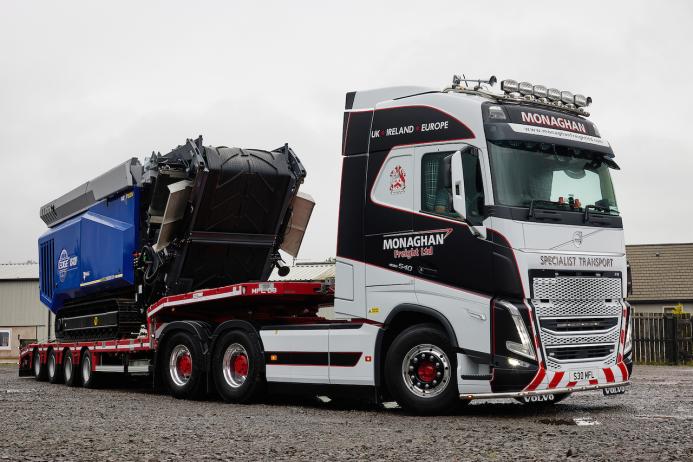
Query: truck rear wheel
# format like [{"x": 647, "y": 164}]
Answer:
[
  {"x": 237, "y": 366},
  {"x": 70, "y": 376},
  {"x": 183, "y": 366},
  {"x": 39, "y": 369},
  {"x": 87, "y": 374},
  {"x": 55, "y": 373},
  {"x": 420, "y": 371}
]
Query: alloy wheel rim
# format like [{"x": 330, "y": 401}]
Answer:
[
  {"x": 180, "y": 365},
  {"x": 235, "y": 365},
  {"x": 426, "y": 370}
]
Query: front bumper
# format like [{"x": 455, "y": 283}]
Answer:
[{"x": 552, "y": 391}]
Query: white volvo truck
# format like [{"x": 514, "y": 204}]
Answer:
[{"x": 480, "y": 254}]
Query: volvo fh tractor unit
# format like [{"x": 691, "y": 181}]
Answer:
[{"x": 480, "y": 254}]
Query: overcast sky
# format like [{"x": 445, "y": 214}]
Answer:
[{"x": 84, "y": 87}]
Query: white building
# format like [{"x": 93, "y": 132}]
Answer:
[{"x": 23, "y": 318}]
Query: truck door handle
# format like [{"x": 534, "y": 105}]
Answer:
[{"x": 425, "y": 271}]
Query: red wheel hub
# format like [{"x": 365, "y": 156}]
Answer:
[
  {"x": 240, "y": 365},
  {"x": 426, "y": 371},
  {"x": 184, "y": 365}
]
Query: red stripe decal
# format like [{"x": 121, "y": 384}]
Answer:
[
  {"x": 594, "y": 381},
  {"x": 556, "y": 379},
  {"x": 609, "y": 375},
  {"x": 571, "y": 384},
  {"x": 624, "y": 371},
  {"x": 537, "y": 379}
]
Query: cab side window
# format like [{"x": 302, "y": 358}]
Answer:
[{"x": 436, "y": 184}]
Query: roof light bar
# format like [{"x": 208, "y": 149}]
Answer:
[{"x": 552, "y": 96}]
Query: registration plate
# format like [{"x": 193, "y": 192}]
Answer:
[{"x": 583, "y": 375}]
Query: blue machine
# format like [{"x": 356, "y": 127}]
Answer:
[
  {"x": 92, "y": 252},
  {"x": 93, "y": 236}
]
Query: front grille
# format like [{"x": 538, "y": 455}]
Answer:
[
  {"x": 577, "y": 288},
  {"x": 580, "y": 352},
  {"x": 579, "y": 318},
  {"x": 578, "y": 324},
  {"x": 579, "y": 339},
  {"x": 562, "y": 308}
]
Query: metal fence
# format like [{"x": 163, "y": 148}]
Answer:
[{"x": 662, "y": 338}]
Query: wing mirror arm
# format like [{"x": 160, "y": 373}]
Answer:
[{"x": 459, "y": 203}]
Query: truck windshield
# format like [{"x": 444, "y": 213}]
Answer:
[{"x": 552, "y": 176}]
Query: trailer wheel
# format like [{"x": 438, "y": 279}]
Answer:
[
  {"x": 420, "y": 371},
  {"x": 184, "y": 366},
  {"x": 55, "y": 373},
  {"x": 237, "y": 367},
  {"x": 70, "y": 376},
  {"x": 87, "y": 374},
  {"x": 39, "y": 369}
]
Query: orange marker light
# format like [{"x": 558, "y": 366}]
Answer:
[
  {"x": 369, "y": 359},
  {"x": 273, "y": 357}
]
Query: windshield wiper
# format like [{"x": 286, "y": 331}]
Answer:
[
  {"x": 596, "y": 208},
  {"x": 541, "y": 202}
]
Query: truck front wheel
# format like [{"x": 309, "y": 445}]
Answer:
[
  {"x": 237, "y": 366},
  {"x": 420, "y": 371},
  {"x": 184, "y": 366}
]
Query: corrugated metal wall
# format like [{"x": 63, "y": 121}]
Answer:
[{"x": 20, "y": 306}]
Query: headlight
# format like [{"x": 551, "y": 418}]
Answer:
[{"x": 525, "y": 347}]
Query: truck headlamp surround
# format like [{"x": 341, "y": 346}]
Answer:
[
  {"x": 628, "y": 345},
  {"x": 525, "y": 348}
]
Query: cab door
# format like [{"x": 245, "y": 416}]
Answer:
[
  {"x": 389, "y": 218},
  {"x": 453, "y": 264}
]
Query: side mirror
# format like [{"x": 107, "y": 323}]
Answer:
[{"x": 457, "y": 175}]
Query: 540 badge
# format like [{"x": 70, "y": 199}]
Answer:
[{"x": 415, "y": 244}]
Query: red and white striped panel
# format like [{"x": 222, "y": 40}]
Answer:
[{"x": 550, "y": 380}]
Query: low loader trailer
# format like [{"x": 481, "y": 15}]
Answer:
[{"x": 480, "y": 255}]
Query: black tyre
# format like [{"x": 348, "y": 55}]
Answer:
[
  {"x": 238, "y": 367},
  {"x": 54, "y": 368},
  {"x": 542, "y": 400},
  {"x": 420, "y": 370},
  {"x": 182, "y": 366},
  {"x": 71, "y": 375},
  {"x": 87, "y": 375},
  {"x": 39, "y": 369}
]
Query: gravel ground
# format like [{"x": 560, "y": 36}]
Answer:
[{"x": 652, "y": 421}]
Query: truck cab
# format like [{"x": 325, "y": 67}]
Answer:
[{"x": 491, "y": 215}]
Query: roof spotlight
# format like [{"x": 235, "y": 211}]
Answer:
[
  {"x": 567, "y": 97},
  {"x": 509, "y": 86},
  {"x": 525, "y": 88},
  {"x": 540, "y": 91},
  {"x": 553, "y": 94},
  {"x": 582, "y": 100}
]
